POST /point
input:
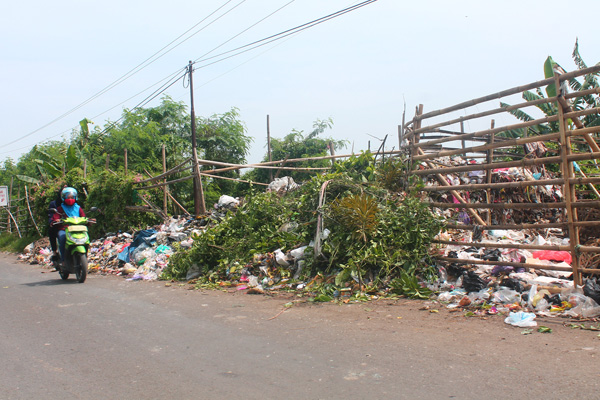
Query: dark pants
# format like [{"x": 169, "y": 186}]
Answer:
[
  {"x": 62, "y": 241},
  {"x": 53, "y": 236}
]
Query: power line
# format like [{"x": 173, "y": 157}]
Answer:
[
  {"x": 247, "y": 47},
  {"x": 135, "y": 70},
  {"x": 281, "y": 35}
]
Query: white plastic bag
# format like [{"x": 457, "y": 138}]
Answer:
[{"x": 521, "y": 319}]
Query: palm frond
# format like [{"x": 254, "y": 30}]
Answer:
[
  {"x": 577, "y": 57},
  {"x": 520, "y": 115}
]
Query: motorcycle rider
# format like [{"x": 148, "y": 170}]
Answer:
[
  {"x": 70, "y": 208},
  {"x": 52, "y": 230}
]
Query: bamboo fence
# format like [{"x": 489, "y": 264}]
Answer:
[{"x": 473, "y": 183}]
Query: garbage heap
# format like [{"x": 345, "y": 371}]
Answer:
[
  {"x": 499, "y": 287},
  {"x": 138, "y": 255}
]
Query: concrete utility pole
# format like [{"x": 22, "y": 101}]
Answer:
[{"x": 199, "y": 206}]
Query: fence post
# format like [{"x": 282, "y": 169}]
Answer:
[{"x": 164, "y": 160}]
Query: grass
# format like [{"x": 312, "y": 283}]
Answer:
[{"x": 13, "y": 243}]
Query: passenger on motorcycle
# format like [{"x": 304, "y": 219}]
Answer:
[{"x": 70, "y": 208}]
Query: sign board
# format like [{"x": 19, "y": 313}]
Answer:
[{"x": 3, "y": 196}]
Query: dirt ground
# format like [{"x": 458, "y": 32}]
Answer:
[{"x": 387, "y": 315}]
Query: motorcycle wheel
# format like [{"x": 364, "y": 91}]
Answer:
[
  {"x": 81, "y": 266},
  {"x": 63, "y": 274}
]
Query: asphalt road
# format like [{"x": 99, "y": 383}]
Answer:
[{"x": 113, "y": 339}]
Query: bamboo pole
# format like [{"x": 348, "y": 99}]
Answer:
[
  {"x": 269, "y": 147},
  {"x": 567, "y": 108},
  {"x": 508, "y": 164},
  {"x": 567, "y": 171},
  {"x": 457, "y": 195},
  {"x": 173, "y": 170},
  {"x": 590, "y": 271},
  {"x": 14, "y": 221},
  {"x": 485, "y": 132},
  {"x": 517, "y": 206},
  {"x": 30, "y": 213},
  {"x": 490, "y": 161},
  {"x": 505, "y": 245},
  {"x": 10, "y": 193},
  {"x": 165, "y": 187},
  {"x": 201, "y": 174},
  {"x": 511, "y": 91},
  {"x": 465, "y": 227},
  {"x": 492, "y": 146},
  {"x": 507, "y": 263},
  {"x": 551, "y": 118},
  {"x": 591, "y": 186},
  {"x": 431, "y": 128},
  {"x": 498, "y": 110},
  {"x": 497, "y": 185}
]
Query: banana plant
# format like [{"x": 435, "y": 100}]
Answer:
[
  {"x": 549, "y": 109},
  {"x": 53, "y": 166}
]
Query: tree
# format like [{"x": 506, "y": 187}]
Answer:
[
  {"x": 222, "y": 137},
  {"x": 142, "y": 132},
  {"x": 296, "y": 145}
]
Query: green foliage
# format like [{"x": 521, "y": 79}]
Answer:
[
  {"x": 360, "y": 167},
  {"x": 111, "y": 194},
  {"x": 400, "y": 241},
  {"x": 391, "y": 174},
  {"x": 223, "y": 138},
  {"x": 408, "y": 285},
  {"x": 357, "y": 213},
  {"x": 255, "y": 228},
  {"x": 296, "y": 145},
  {"x": 550, "y": 109},
  {"x": 142, "y": 132},
  {"x": 14, "y": 244},
  {"x": 374, "y": 235}
]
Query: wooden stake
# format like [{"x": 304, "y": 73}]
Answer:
[
  {"x": 269, "y": 147},
  {"x": 165, "y": 188},
  {"x": 567, "y": 171}
]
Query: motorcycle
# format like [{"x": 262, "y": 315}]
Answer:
[{"x": 76, "y": 247}]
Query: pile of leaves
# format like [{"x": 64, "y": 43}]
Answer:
[{"x": 372, "y": 237}]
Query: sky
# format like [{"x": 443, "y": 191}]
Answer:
[{"x": 361, "y": 69}]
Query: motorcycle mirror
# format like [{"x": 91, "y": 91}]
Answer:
[
  {"x": 93, "y": 209},
  {"x": 54, "y": 210}
]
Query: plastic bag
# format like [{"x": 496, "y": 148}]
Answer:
[
  {"x": 592, "y": 289},
  {"x": 506, "y": 296},
  {"x": 473, "y": 282},
  {"x": 298, "y": 253},
  {"x": 281, "y": 258},
  {"x": 521, "y": 319},
  {"x": 553, "y": 255}
]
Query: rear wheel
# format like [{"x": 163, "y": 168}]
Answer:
[{"x": 81, "y": 267}]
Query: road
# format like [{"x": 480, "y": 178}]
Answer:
[{"x": 109, "y": 338}]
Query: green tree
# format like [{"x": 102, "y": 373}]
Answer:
[
  {"x": 222, "y": 137},
  {"x": 297, "y": 145}
]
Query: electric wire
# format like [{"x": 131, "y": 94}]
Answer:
[
  {"x": 133, "y": 71},
  {"x": 288, "y": 32},
  {"x": 258, "y": 43},
  {"x": 281, "y": 35}
]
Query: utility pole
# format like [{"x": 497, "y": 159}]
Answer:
[{"x": 199, "y": 206}]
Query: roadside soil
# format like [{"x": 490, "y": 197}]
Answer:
[{"x": 383, "y": 316}]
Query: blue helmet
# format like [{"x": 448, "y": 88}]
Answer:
[{"x": 68, "y": 191}]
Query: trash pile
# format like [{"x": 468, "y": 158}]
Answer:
[
  {"x": 533, "y": 194},
  {"x": 141, "y": 255},
  {"x": 500, "y": 288}
]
